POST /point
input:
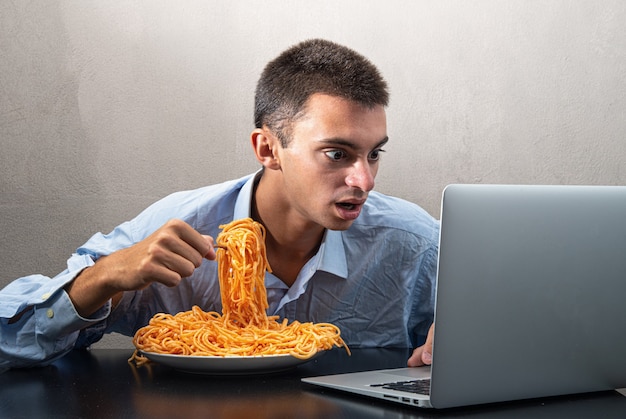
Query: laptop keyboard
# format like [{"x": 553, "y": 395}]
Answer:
[{"x": 412, "y": 386}]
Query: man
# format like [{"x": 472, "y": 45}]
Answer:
[{"x": 339, "y": 252}]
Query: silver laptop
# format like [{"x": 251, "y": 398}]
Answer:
[{"x": 531, "y": 299}]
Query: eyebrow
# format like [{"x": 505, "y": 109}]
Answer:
[{"x": 350, "y": 144}]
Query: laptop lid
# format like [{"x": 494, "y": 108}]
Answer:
[{"x": 530, "y": 293}]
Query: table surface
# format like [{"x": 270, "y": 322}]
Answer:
[{"x": 101, "y": 383}]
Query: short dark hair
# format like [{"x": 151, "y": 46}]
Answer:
[{"x": 313, "y": 66}]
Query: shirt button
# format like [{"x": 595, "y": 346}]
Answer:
[
  {"x": 45, "y": 296},
  {"x": 50, "y": 313}
]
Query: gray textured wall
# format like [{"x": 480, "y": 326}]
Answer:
[{"x": 107, "y": 106}]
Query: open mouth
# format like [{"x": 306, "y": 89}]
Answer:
[
  {"x": 349, "y": 210},
  {"x": 347, "y": 205}
]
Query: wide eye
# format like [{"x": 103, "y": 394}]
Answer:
[
  {"x": 375, "y": 154},
  {"x": 335, "y": 155}
]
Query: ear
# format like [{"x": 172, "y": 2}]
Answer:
[{"x": 266, "y": 147}]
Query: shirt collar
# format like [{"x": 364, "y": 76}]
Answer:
[
  {"x": 243, "y": 205},
  {"x": 331, "y": 255}
]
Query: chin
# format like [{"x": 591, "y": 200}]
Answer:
[{"x": 339, "y": 225}]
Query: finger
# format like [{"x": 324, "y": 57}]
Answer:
[
  {"x": 167, "y": 248},
  {"x": 415, "y": 360},
  {"x": 183, "y": 262},
  {"x": 427, "y": 351},
  {"x": 164, "y": 275},
  {"x": 202, "y": 246},
  {"x": 140, "y": 266},
  {"x": 427, "y": 356},
  {"x": 211, "y": 255},
  {"x": 190, "y": 236},
  {"x": 423, "y": 354},
  {"x": 181, "y": 238}
]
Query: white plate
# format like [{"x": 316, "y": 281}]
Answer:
[{"x": 228, "y": 364}]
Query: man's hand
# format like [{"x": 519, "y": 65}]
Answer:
[
  {"x": 169, "y": 254},
  {"x": 424, "y": 354}
]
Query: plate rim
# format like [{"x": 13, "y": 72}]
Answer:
[
  {"x": 228, "y": 364},
  {"x": 180, "y": 356}
]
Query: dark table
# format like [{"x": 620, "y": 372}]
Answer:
[{"x": 101, "y": 384}]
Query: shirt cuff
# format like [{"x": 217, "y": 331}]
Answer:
[{"x": 57, "y": 316}]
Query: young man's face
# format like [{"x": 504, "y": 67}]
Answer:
[{"x": 329, "y": 165}]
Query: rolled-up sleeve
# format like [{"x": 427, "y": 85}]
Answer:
[{"x": 38, "y": 322}]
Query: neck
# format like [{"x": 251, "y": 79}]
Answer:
[{"x": 290, "y": 242}]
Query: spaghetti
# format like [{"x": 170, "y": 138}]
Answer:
[{"x": 243, "y": 328}]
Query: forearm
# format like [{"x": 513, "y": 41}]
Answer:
[{"x": 91, "y": 289}]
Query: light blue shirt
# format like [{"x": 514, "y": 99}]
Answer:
[{"x": 375, "y": 281}]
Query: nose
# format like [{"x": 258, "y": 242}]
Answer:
[{"x": 361, "y": 176}]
